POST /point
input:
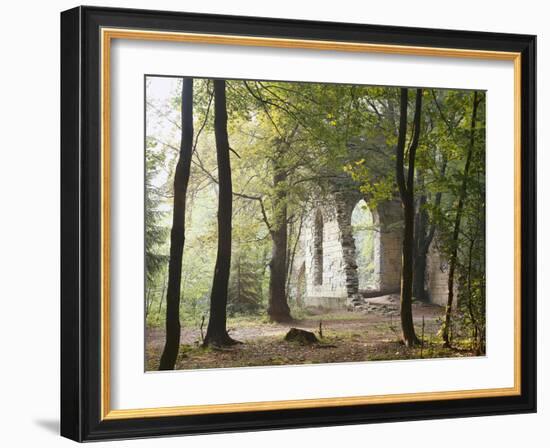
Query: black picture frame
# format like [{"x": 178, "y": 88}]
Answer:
[{"x": 81, "y": 224}]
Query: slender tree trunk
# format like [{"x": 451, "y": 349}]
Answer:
[
  {"x": 239, "y": 278},
  {"x": 147, "y": 303},
  {"x": 292, "y": 253},
  {"x": 177, "y": 234},
  {"x": 407, "y": 325},
  {"x": 406, "y": 191},
  {"x": 471, "y": 312},
  {"x": 456, "y": 229},
  {"x": 421, "y": 247},
  {"x": 278, "y": 309},
  {"x": 216, "y": 333}
]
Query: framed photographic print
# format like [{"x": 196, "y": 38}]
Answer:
[{"x": 275, "y": 224}]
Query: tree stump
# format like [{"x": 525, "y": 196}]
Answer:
[{"x": 301, "y": 336}]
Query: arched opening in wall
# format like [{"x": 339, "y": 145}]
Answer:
[
  {"x": 318, "y": 249},
  {"x": 365, "y": 236}
]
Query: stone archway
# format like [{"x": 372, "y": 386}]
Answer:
[
  {"x": 329, "y": 254},
  {"x": 327, "y": 268},
  {"x": 387, "y": 226}
]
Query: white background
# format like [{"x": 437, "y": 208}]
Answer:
[
  {"x": 29, "y": 228},
  {"x": 132, "y": 388}
]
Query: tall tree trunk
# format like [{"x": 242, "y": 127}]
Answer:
[
  {"x": 216, "y": 333},
  {"x": 406, "y": 191},
  {"x": 177, "y": 234},
  {"x": 147, "y": 303},
  {"x": 292, "y": 254},
  {"x": 278, "y": 309},
  {"x": 421, "y": 246},
  {"x": 407, "y": 325},
  {"x": 476, "y": 339},
  {"x": 456, "y": 229}
]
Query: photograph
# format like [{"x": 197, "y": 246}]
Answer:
[
  {"x": 292, "y": 223},
  {"x": 273, "y": 223}
]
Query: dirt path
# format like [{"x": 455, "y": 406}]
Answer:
[{"x": 347, "y": 337}]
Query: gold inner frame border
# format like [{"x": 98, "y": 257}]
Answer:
[{"x": 107, "y": 35}]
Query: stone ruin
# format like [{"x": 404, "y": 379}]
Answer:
[{"x": 325, "y": 269}]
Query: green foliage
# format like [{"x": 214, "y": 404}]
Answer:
[
  {"x": 470, "y": 244},
  {"x": 293, "y": 143},
  {"x": 245, "y": 287},
  {"x": 374, "y": 188},
  {"x": 156, "y": 231}
]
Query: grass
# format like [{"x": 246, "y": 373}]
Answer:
[{"x": 345, "y": 339}]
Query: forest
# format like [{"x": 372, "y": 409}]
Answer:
[{"x": 294, "y": 223}]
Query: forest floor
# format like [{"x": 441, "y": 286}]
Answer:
[{"x": 347, "y": 336}]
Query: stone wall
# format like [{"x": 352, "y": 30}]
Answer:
[
  {"x": 437, "y": 276},
  {"x": 325, "y": 269},
  {"x": 327, "y": 280},
  {"x": 388, "y": 219}
]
